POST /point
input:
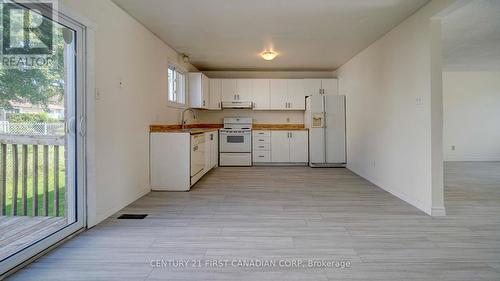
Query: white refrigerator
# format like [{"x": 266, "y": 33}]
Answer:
[{"x": 325, "y": 119}]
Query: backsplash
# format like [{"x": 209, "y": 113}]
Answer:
[{"x": 259, "y": 117}]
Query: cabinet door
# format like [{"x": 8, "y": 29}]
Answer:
[
  {"x": 208, "y": 151},
  {"x": 280, "y": 146},
  {"x": 195, "y": 90},
  {"x": 244, "y": 89},
  {"x": 205, "y": 91},
  {"x": 278, "y": 93},
  {"x": 296, "y": 95},
  {"x": 228, "y": 90},
  {"x": 329, "y": 87},
  {"x": 215, "y": 150},
  {"x": 215, "y": 94},
  {"x": 260, "y": 94},
  {"x": 312, "y": 86},
  {"x": 299, "y": 146}
]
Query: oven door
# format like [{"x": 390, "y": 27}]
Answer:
[{"x": 240, "y": 141}]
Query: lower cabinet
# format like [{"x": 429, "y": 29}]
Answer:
[
  {"x": 179, "y": 160},
  {"x": 280, "y": 146},
  {"x": 211, "y": 150}
]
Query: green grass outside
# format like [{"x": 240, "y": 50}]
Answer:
[{"x": 10, "y": 180}]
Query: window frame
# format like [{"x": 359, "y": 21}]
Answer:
[{"x": 176, "y": 103}]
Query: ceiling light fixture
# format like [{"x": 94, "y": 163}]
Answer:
[{"x": 269, "y": 55}]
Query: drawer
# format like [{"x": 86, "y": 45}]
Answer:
[
  {"x": 261, "y": 156},
  {"x": 261, "y": 134},
  {"x": 261, "y": 146},
  {"x": 261, "y": 139}
]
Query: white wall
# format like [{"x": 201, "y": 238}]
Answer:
[
  {"x": 471, "y": 103},
  {"x": 124, "y": 51},
  {"x": 388, "y": 89}
]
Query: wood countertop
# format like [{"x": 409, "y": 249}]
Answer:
[
  {"x": 201, "y": 128},
  {"x": 279, "y": 127},
  {"x": 192, "y": 128}
]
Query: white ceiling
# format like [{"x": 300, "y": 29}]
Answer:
[
  {"x": 471, "y": 37},
  {"x": 308, "y": 34}
]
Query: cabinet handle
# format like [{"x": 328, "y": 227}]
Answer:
[
  {"x": 203, "y": 103},
  {"x": 261, "y": 146},
  {"x": 291, "y": 135},
  {"x": 261, "y": 140},
  {"x": 261, "y": 156}
]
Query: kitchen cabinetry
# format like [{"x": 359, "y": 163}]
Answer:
[
  {"x": 260, "y": 94},
  {"x": 198, "y": 89},
  {"x": 215, "y": 93},
  {"x": 265, "y": 94},
  {"x": 261, "y": 146},
  {"x": 289, "y": 146},
  {"x": 211, "y": 150},
  {"x": 179, "y": 159},
  {"x": 236, "y": 90},
  {"x": 279, "y": 93},
  {"x": 287, "y": 94},
  {"x": 279, "y": 146},
  {"x": 320, "y": 86}
]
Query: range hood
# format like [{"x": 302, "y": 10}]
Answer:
[{"x": 237, "y": 104}]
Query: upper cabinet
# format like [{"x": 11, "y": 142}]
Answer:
[
  {"x": 198, "y": 87},
  {"x": 320, "y": 86},
  {"x": 287, "y": 94},
  {"x": 260, "y": 94},
  {"x": 215, "y": 100},
  {"x": 266, "y": 94},
  {"x": 278, "y": 94},
  {"x": 229, "y": 90},
  {"x": 296, "y": 96},
  {"x": 244, "y": 89},
  {"x": 236, "y": 90}
]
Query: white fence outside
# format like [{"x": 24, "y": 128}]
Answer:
[{"x": 32, "y": 129}]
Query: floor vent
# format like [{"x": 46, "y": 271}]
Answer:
[{"x": 132, "y": 216}]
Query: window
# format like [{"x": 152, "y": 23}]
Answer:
[{"x": 176, "y": 86}]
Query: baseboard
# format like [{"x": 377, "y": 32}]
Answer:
[
  {"x": 438, "y": 211},
  {"x": 111, "y": 211}
]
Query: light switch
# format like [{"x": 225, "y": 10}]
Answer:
[{"x": 97, "y": 94}]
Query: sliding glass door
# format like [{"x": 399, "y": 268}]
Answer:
[{"x": 42, "y": 129}]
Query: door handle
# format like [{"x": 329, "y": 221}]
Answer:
[
  {"x": 70, "y": 125},
  {"x": 82, "y": 126}
]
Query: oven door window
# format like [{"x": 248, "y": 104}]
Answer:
[{"x": 235, "y": 139}]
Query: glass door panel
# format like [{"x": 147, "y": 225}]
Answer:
[{"x": 41, "y": 144}]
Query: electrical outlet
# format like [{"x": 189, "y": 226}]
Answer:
[
  {"x": 419, "y": 101},
  {"x": 121, "y": 83},
  {"x": 288, "y": 119}
]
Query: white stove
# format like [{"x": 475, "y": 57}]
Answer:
[{"x": 235, "y": 142}]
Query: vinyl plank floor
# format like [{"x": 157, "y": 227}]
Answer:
[{"x": 292, "y": 214}]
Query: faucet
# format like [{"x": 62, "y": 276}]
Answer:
[{"x": 183, "y": 120}]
